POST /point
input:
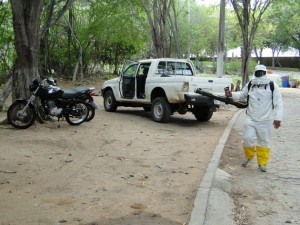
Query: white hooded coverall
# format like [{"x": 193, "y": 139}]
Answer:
[{"x": 259, "y": 116}]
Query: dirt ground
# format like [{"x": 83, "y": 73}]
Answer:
[{"x": 120, "y": 168}]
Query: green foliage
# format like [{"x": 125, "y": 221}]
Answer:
[
  {"x": 113, "y": 22},
  {"x": 110, "y": 31},
  {"x": 286, "y": 17},
  {"x": 203, "y": 30},
  {"x": 232, "y": 67},
  {"x": 7, "y": 52},
  {"x": 109, "y": 76}
]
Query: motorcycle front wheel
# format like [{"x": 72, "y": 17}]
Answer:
[
  {"x": 19, "y": 117},
  {"x": 77, "y": 113}
]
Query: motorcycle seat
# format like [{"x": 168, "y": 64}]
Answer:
[{"x": 73, "y": 93}]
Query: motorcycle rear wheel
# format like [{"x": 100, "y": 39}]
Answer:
[
  {"x": 78, "y": 112},
  {"x": 19, "y": 119},
  {"x": 91, "y": 114}
]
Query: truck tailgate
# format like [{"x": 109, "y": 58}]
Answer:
[{"x": 214, "y": 85}]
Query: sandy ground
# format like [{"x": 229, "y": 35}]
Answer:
[{"x": 120, "y": 168}]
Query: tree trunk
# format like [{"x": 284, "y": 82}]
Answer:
[
  {"x": 5, "y": 93},
  {"x": 246, "y": 56},
  {"x": 299, "y": 58},
  {"x": 81, "y": 65},
  {"x": 70, "y": 33},
  {"x": 277, "y": 59},
  {"x": 79, "y": 61},
  {"x": 75, "y": 71},
  {"x": 26, "y": 23},
  {"x": 174, "y": 29},
  {"x": 258, "y": 54},
  {"x": 273, "y": 57},
  {"x": 249, "y": 15},
  {"x": 158, "y": 13}
]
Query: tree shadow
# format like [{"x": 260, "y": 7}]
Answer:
[
  {"x": 175, "y": 119},
  {"x": 137, "y": 218}
]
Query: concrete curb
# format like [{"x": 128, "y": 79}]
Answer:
[{"x": 198, "y": 214}]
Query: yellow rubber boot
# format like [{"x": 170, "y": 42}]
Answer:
[
  {"x": 249, "y": 153},
  {"x": 263, "y": 154}
]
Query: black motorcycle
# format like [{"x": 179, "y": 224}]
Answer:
[
  {"x": 82, "y": 93},
  {"x": 51, "y": 102}
]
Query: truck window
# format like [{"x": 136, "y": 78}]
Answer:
[
  {"x": 130, "y": 71},
  {"x": 144, "y": 69},
  {"x": 174, "y": 68},
  {"x": 161, "y": 67},
  {"x": 183, "y": 69}
]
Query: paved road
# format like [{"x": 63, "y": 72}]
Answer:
[{"x": 270, "y": 198}]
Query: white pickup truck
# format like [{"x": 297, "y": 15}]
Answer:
[{"x": 163, "y": 86}]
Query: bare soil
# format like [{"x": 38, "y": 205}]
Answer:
[{"x": 120, "y": 168}]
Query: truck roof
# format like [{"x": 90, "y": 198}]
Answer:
[{"x": 164, "y": 59}]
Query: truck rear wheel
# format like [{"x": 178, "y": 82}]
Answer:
[
  {"x": 203, "y": 115},
  {"x": 161, "y": 110}
]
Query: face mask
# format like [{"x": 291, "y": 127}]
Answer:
[{"x": 259, "y": 73}]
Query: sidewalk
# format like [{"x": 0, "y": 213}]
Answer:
[{"x": 237, "y": 195}]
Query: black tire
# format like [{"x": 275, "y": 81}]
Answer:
[
  {"x": 109, "y": 101},
  {"x": 203, "y": 115},
  {"x": 161, "y": 110},
  {"x": 78, "y": 113},
  {"x": 91, "y": 114},
  {"x": 18, "y": 120}
]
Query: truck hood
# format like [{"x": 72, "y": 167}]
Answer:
[{"x": 110, "y": 81}]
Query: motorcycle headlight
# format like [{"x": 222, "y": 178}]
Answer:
[{"x": 34, "y": 85}]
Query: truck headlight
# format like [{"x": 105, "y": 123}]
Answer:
[{"x": 185, "y": 87}]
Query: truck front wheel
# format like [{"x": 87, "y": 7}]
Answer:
[
  {"x": 110, "y": 103},
  {"x": 161, "y": 110},
  {"x": 203, "y": 115}
]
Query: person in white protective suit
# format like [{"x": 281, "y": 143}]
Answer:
[{"x": 264, "y": 110}]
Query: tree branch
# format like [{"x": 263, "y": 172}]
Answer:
[{"x": 52, "y": 20}]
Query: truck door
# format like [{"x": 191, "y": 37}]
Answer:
[
  {"x": 128, "y": 81},
  {"x": 141, "y": 77}
]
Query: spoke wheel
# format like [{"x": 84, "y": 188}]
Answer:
[
  {"x": 78, "y": 112},
  {"x": 91, "y": 114},
  {"x": 20, "y": 118}
]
